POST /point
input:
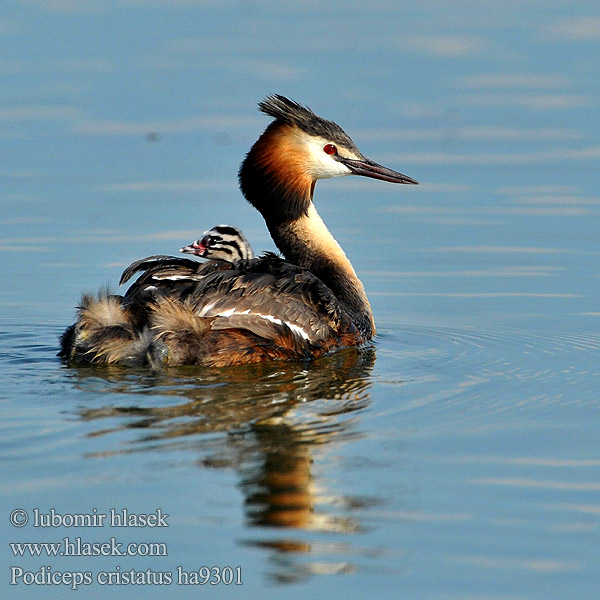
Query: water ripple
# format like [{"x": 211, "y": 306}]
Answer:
[{"x": 514, "y": 377}]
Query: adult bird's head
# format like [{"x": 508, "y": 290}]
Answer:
[{"x": 298, "y": 148}]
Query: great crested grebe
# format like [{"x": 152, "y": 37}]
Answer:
[
  {"x": 222, "y": 242},
  {"x": 220, "y": 313}
]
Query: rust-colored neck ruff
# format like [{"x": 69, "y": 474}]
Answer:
[{"x": 275, "y": 180}]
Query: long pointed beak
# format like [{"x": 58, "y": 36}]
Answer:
[{"x": 369, "y": 168}]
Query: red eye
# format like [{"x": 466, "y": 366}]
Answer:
[{"x": 329, "y": 149}]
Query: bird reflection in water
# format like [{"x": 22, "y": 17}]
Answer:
[{"x": 275, "y": 416}]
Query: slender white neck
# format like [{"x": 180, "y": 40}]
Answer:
[
  {"x": 319, "y": 241},
  {"x": 307, "y": 242}
]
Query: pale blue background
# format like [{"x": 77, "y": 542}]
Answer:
[{"x": 471, "y": 463}]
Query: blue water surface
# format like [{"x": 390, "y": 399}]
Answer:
[{"x": 457, "y": 458}]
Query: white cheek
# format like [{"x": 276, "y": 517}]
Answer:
[
  {"x": 324, "y": 165},
  {"x": 329, "y": 167}
]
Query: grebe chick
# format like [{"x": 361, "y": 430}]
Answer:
[
  {"x": 218, "y": 313},
  {"x": 223, "y": 242}
]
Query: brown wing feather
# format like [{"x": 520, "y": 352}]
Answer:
[
  {"x": 271, "y": 293},
  {"x": 157, "y": 263},
  {"x": 181, "y": 337},
  {"x": 166, "y": 275}
]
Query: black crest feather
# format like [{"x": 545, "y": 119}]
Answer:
[{"x": 291, "y": 112}]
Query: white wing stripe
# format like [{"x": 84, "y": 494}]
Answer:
[{"x": 231, "y": 311}]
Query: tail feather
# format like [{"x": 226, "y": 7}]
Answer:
[{"x": 105, "y": 332}]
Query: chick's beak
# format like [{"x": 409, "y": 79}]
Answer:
[{"x": 195, "y": 248}]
